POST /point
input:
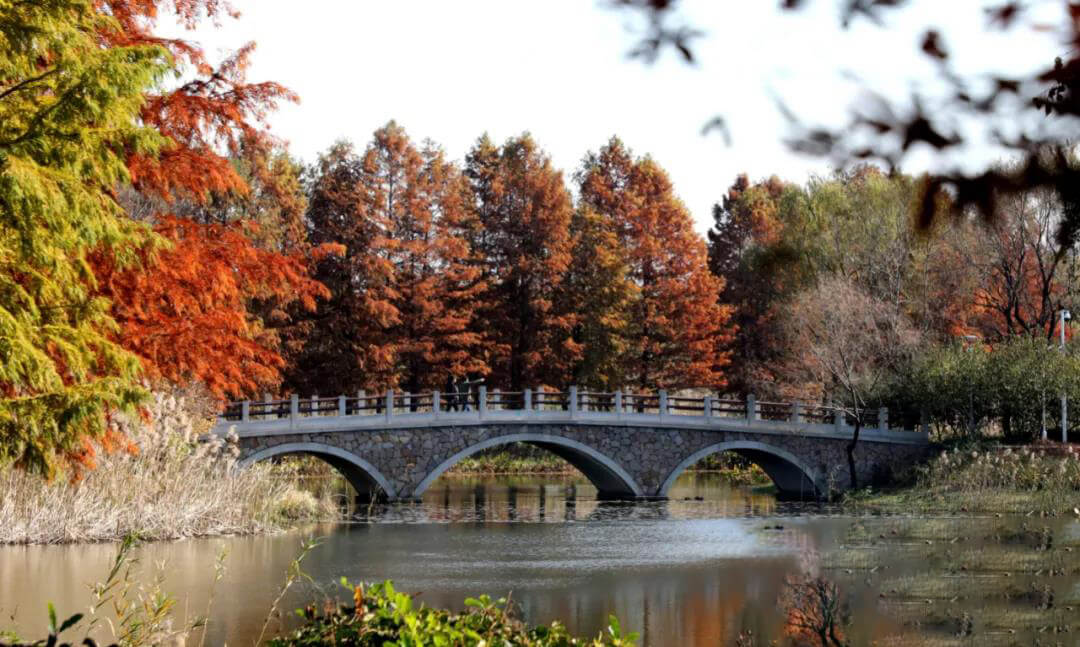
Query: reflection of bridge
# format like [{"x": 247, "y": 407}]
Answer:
[{"x": 628, "y": 445}]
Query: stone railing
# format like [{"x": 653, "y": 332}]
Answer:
[{"x": 433, "y": 408}]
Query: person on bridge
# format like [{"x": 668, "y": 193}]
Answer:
[{"x": 451, "y": 392}]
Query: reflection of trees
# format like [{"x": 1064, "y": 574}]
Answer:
[{"x": 816, "y": 612}]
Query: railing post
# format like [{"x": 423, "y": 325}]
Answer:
[
  {"x": 389, "y": 403},
  {"x": 528, "y": 400},
  {"x": 436, "y": 404},
  {"x": 294, "y": 406},
  {"x": 618, "y": 402},
  {"x": 406, "y": 401},
  {"x": 495, "y": 399},
  {"x": 662, "y": 407},
  {"x": 313, "y": 406},
  {"x": 883, "y": 419},
  {"x": 796, "y": 412},
  {"x": 360, "y": 402},
  {"x": 481, "y": 400},
  {"x": 245, "y": 411},
  {"x": 707, "y": 404},
  {"x": 266, "y": 408},
  {"x": 839, "y": 419},
  {"x": 341, "y": 405},
  {"x": 751, "y": 408},
  {"x": 573, "y": 402}
]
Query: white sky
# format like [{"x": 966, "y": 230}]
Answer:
[{"x": 450, "y": 70}]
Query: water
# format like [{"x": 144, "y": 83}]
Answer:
[{"x": 683, "y": 572}]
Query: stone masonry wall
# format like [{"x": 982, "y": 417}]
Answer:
[{"x": 405, "y": 457}]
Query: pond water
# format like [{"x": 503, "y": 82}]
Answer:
[{"x": 694, "y": 570}]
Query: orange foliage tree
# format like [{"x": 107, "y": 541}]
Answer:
[
  {"x": 407, "y": 286},
  {"x": 344, "y": 348},
  {"x": 522, "y": 241},
  {"x": 744, "y": 252},
  {"x": 184, "y": 313},
  {"x": 205, "y": 306},
  {"x": 678, "y": 330}
]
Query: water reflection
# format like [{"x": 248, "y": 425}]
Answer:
[{"x": 694, "y": 570}]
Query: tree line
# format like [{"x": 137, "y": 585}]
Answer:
[
  {"x": 490, "y": 269},
  {"x": 839, "y": 295}
]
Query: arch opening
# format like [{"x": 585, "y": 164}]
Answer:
[
  {"x": 610, "y": 479},
  {"x": 364, "y": 477},
  {"x": 791, "y": 476}
]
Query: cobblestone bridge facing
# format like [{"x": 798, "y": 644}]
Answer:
[{"x": 629, "y": 446}]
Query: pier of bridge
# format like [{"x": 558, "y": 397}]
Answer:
[{"x": 394, "y": 445}]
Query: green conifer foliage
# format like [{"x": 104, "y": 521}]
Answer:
[{"x": 68, "y": 107}]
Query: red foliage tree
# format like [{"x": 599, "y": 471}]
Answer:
[
  {"x": 522, "y": 241},
  {"x": 184, "y": 312},
  {"x": 206, "y": 306},
  {"x": 417, "y": 202},
  {"x": 743, "y": 251},
  {"x": 679, "y": 333}
]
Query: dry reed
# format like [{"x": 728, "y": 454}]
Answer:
[{"x": 173, "y": 487}]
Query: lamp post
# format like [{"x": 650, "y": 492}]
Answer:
[
  {"x": 1065, "y": 316},
  {"x": 971, "y": 339}
]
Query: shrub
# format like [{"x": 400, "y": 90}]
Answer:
[{"x": 381, "y": 615}]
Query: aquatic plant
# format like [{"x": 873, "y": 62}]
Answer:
[{"x": 381, "y": 615}]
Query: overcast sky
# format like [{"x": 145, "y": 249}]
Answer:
[{"x": 451, "y": 70}]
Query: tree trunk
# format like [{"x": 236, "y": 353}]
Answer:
[{"x": 851, "y": 452}]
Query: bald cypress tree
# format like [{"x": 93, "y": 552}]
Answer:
[
  {"x": 678, "y": 334},
  {"x": 522, "y": 243},
  {"x": 68, "y": 108}
]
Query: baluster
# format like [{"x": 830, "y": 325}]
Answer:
[
  {"x": 245, "y": 411},
  {"x": 342, "y": 406},
  {"x": 495, "y": 401},
  {"x": 528, "y": 400},
  {"x": 662, "y": 407},
  {"x": 435, "y": 403},
  {"x": 796, "y": 412},
  {"x": 481, "y": 400},
  {"x": 708, "y": 406},
  {"x": 389, "y": 404},
  {"x": 294, "y": 406},
  {"x": 751, "y": 408},
  {"x": 313, "y": 406},
  {"x": 883, "y": 419},
  {"x": 573, "y": 401},
  {"x": 618, "y": 402}
]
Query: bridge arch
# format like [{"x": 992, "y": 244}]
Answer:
[
  {"x": 791, "y": 475},
  {"x": 362, "y": 475},
  {"x": 610, "y": 479}
]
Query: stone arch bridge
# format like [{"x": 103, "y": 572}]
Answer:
[{"x": 394, "y": 446}]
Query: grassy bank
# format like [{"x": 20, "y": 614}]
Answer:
[
  {"x": 985, "y": 478},
  {"x": 520, "y": 458},
  {"x": 168, "y": 486}
]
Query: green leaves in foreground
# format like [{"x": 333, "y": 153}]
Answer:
[
  {"x": 69, "y": 106},
  {"x": 381, "y": 615}
]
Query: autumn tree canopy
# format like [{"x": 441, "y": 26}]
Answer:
[
  {"x": 67, "y": 107},
  {"x": 522, "y": 243},
  {"x": 678, "y": 332}
]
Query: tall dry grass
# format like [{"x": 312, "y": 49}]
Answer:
[{"x": 172, "y": 487}]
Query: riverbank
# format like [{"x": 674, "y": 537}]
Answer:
[{"x": 985, "y": 479}]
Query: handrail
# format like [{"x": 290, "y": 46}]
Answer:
[{"x": 617, "y": 405}]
